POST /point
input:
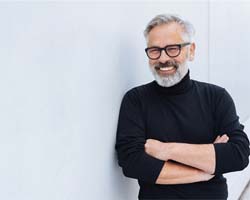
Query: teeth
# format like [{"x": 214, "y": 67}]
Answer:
[{"x": 166, "y": 68}]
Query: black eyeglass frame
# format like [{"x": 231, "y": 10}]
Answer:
[{"x": 165, "y": 49}]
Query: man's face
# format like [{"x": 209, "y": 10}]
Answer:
[{"x": 169, "y": 71}]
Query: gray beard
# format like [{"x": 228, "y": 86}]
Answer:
[{"x": 171, "y": 80}]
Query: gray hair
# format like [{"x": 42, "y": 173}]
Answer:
[{"x": 188, "y": 29}]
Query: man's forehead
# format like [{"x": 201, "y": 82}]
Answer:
[{"x": 165, "y": 33}]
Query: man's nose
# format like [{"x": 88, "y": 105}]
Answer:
[{"x": 164, "y": 57}]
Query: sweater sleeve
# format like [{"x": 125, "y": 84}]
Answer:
[
  {"x": 233, "y": 155},
  {"x": 130, "y": 142}
]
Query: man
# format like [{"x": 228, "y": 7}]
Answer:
[{"x": 178, "y": 136}]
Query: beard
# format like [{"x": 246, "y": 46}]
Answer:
[{"x": 172, "y": 79}]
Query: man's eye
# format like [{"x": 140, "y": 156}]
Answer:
[
  {"x": 154, "y": 51},
  {"x": 172, "y": 49}
]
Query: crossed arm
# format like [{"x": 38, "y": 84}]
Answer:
[
  {"x": 194, "y": 162},
  {"x": 140, "y": 161}
]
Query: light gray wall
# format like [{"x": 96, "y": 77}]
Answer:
[
  {"x": 64, "y": 68},
  {"x": 229, "y": 58},
  {"x": 229, "y": 54}
]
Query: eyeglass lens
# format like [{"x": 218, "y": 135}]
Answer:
[{"x": 171, "y": 51}]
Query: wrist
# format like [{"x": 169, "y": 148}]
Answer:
[
  {"x": 168, "y": 150},
  {"x": 207, "y": 177}
]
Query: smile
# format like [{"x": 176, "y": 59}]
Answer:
[{"x": 167, "y": 68}]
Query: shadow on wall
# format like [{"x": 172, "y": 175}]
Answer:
[
  {"x": 123, "y": 187},
  {"x": 126, "y": 64}
]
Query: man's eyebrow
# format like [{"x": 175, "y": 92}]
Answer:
[{"x": 154, "y": 46}]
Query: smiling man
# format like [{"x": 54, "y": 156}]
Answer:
[{"x": 175, "y": 135}]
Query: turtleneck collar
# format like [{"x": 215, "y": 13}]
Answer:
[{"x": 182, "y": 87}]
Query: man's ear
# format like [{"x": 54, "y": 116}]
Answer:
[{"x": 192, "y": 52}]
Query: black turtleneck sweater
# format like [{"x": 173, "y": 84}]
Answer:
[{"x": 188, "y": 112}]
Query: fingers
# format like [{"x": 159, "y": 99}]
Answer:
[
  {"x": 222, "y": 139},
  {"x": 152, "y": 142},
  {"x": 148, "y": 142},
  {"x": 218, "y": 137},
  {"x": 217, "y": 140}
]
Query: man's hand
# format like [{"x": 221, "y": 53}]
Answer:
[
  {"x": 156, "y": 149},
  {"x": 221, "y": 139},
  {"x": 161, "y": 150},
  {"x": 177, "y": 173}
]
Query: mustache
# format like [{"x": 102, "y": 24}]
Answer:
[{"x": 167, "y": 64}]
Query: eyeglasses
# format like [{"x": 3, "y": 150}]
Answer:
[{"x": 172, "y": 51}]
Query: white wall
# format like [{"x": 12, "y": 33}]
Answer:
[
  {"x": 229, "y": 57},
  {"x": 64, "y": 68},
  {"x": 229, "y": 50}
]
